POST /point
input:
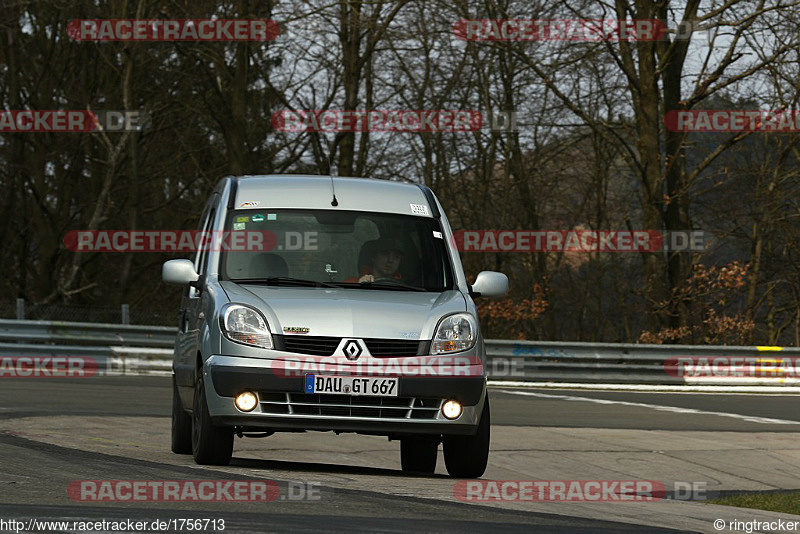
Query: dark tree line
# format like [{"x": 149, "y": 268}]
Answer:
[{"x": 591, "y": 150}]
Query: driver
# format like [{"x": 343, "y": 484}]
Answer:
[{"x": 385, "y": 262}]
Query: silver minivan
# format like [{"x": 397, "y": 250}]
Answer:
[{"x": 330, "y": 304}]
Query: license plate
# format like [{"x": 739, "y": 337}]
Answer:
[{"x": 351, "y": 385}]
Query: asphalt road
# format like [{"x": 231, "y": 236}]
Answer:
[
  {"x": 151, "y": 396},
  {"x": 34, "y": 477},
  {"x": 636, "y": 410},
  {"x": 113, "y": 428}
]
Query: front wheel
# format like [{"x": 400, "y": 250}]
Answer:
[
  {"x": 211, "y": 445},
  {"x": 467, "y": 456},
  {"x": 419, "y": 454}
]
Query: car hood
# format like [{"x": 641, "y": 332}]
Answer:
[{"x": 357, "y": 313}]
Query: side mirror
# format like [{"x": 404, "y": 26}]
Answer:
[
  {"x": 489, "y": 284},
  {"x": 179, "y": 272}
]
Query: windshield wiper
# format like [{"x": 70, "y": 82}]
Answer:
[
  {"x": 283, "y": 280},
  {"x": 397, "y": 286}
]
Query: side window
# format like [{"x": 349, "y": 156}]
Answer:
[
  {"x": 201, "y": 227},
  {"x": 202, "y": 255}
]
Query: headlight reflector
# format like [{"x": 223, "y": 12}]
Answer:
[
  {"x": 455, "y": 333},
  {"x": 245, "y": 325}
]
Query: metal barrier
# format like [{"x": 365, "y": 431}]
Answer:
[
  {"x": 116, "y": 349},
  {"x": 91, "y": 334},
  {"x": 628, "y": 363},
  {"x": 134, "y": 349}
]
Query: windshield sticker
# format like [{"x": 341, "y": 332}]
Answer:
[
  {"x": 437, "y": 235},
  {"x": 238, "y": 226},
  {"x": 272, "y": 216},
  {"x": 419, "y": 209},
  {"x": 250, "y": 204},
  {"x": 242, "y": 219},
  {"x": 296, "y": 329},
  {"x": 257, "y": 218}
]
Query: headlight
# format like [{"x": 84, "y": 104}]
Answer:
[
  {"x": 455, "y": 333},
  {"x": 452, "y": 409},
  {"x": 248, "y": 401},
  {"x": 245, "y": 325}
]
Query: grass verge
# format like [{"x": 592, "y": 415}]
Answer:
[{"x": 787, "y": 503}]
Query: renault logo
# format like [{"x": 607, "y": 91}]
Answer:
[{"x": 352, "y": 350}]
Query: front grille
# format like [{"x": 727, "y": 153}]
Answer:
[
  {"x": 313, "y": 345},
  {"x": 326, "y": 346},
  {"x": 350, "y": 406},
  {"x": 392, "y": 348}
]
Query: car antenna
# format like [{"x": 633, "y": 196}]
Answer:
[{"x": 334, "y": 202}]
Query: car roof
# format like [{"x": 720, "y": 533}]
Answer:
[{"x": 315, "y": 192}]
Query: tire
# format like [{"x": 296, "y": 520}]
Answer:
[
  {"x": 211, "y": 445},
  {"x": 467, "y": 456},
  {"x": 419, "y": 454},
  {"x": 181, "y": 425}
]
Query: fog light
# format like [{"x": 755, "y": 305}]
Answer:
[
  {"x": 452, "y": 409},
  {"x": 246, "y": 401}
]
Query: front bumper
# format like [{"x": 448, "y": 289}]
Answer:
[{"x": 283, "y": 406}]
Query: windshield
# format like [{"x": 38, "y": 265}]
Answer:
[{"x": 348, "y": 249}]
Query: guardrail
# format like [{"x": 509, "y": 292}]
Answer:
[
  {"x": 628, "y": 363},
  {"x": 136, "y": 349},
  {"x": 116, "y": 348},
  {"x": 91, "y": 334}
]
